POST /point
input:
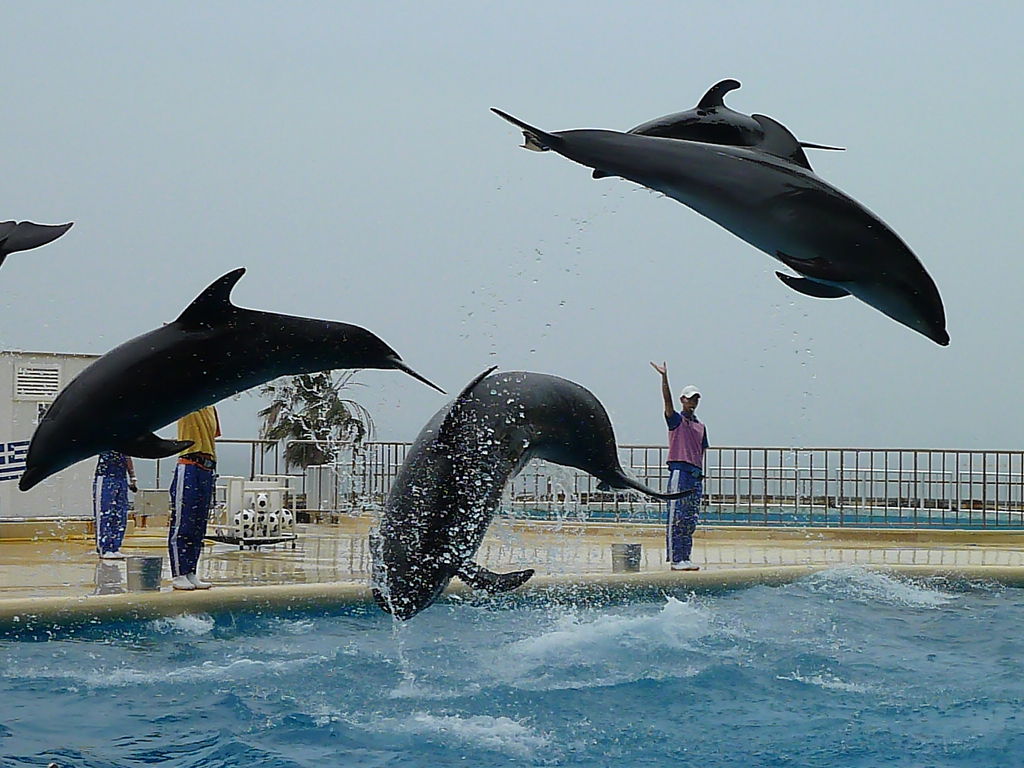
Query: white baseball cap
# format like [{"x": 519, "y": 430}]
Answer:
[{"x": 689, "y": 391}]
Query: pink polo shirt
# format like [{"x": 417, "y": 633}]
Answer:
[{"x": 687, "y": 439}]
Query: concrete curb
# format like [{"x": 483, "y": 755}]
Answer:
[{"x": 62, "y": 613}]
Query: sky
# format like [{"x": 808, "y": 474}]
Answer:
[{"x": 345, "y": 154}]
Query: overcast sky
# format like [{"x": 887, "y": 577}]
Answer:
[{"x": 345, "y": 155}]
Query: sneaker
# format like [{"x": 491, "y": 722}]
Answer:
[
  {"x": 182, "y": 582},
  {"x": 119, "y": 555},
  {"x": 195, "y": 582},
  {"x": 685, "y": 565}
]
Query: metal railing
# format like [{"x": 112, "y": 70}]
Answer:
[{"x": 881, "y": 487}]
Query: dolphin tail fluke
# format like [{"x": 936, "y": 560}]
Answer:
[
  {"x": 622, "y": 481},
  {"x": 715, "y": 97},
  {"x": 535, "y": 138},
  {"x": 809, "y": 145},
  {"x": 399, "y": 364},
  {"x": 493, "y": 583},
  {"x": 153, "y": 447},
  {"x": 25, "y": 235}
]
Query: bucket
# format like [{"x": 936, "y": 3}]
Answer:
[
  {"x": 144, "y": 573},
  {"x": 626, "y": 557}
]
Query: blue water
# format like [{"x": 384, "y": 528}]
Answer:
[{"x": 846, "y": 668}]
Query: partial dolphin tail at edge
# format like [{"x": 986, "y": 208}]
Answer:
[
  {"x": 621, "y": 480},
  {"x": 25, "y": 235},
  {"x": 536, "y": 139}
]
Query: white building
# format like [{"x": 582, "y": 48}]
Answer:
[{"x": 29, "y": 382}]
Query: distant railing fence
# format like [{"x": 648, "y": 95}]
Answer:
[{"x": 742, "y": 485}]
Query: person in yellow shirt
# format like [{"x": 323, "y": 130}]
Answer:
[{"x": 191, "y": 495}]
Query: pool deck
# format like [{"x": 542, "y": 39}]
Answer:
[{"x": 47, "y": 581}]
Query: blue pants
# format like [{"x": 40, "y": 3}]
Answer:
[
  {"x": 682, "y": 513},
  {"x": 191, "y": 494},
  {"x": 110, "y": 506}
]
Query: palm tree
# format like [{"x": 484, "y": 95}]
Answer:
[{"x": 310, "y": 407}]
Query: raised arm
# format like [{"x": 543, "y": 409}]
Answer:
[
  {"x": 666, "y": 391},
  {"x": 132, "y": 484}
]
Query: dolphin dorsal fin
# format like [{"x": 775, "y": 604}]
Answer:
[
  {"x": 778, "y": 141},
  {"x": 715, "y": 97},
  {"x": 448, "y": 418},
  {"x": 213, "y": 304}
]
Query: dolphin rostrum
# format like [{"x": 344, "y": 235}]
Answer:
[
  {"x": 214, "y": 349},
  {"x": 837, "y": 245},
  {"x": 446, "y": 492}
]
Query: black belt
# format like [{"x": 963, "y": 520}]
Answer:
[{"x": 202, "y": 459}]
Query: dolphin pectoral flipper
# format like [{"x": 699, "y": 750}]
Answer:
[
  {"x": 813, "y": 288},
  {"x": 478, "y": 577},
  {"x": 153, "y": 447},
  {"x": 816, "y": 268}
]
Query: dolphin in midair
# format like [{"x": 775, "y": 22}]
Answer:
[
  {"x": 25, "y": 235},
  {"x": 837, "y": 246},
  {"x": 214, "y": 349}
]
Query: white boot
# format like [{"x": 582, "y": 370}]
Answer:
[
  {"x": 182, "y": 582},
  {"x": 196, "y": 583}
]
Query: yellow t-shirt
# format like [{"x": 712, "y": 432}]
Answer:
[{"x": 201, "y": 427}]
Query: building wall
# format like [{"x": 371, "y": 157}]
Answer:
[{"x": 29, "y": 382}]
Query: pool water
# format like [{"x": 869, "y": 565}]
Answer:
[{"x": 845, "y": 668}]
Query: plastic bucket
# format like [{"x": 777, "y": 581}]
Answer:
[
  {"x": 626, "y": 557},
  {"x": 144, "y": 573}
]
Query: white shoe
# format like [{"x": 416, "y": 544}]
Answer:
[
  {"x": 195, "y": 582},
  {"x": 119, "y": 555},
  {"x": 182, "y": 582},
  {"x": 685, "y": 565}
]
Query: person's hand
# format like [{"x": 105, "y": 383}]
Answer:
[
  {"x": 133, "y": 487},
  {"x": 662, "y": 369}
]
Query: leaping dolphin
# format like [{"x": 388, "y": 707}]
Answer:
[
  {"x": 445, "y": 494},
  {"x": 214, "y": 349},
  {"x": 837, "y": 245},
  {"x": 25, "y": 235}
]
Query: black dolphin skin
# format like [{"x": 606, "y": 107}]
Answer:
[
  {"x": 712, "y": 122},
  {"x": 213, "y": 350},
  {"x": 25, "y": 235},
  {"x": 447, "y": 490},
  {"x": 837, "y": 245}
]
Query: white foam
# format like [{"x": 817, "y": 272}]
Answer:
[
  {"x": 675, "y": 626},
  {"x": 608, "y": 650},
  {"x": 124, "y": 676},
  {"x": 828, "y": 681},
  {"x": 859, "y": 583},
  {"x": 500, "y": 734},
  {"x": 188, "y": 623}
]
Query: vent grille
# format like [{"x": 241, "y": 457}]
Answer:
[{"x": 37, "y": 382}]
